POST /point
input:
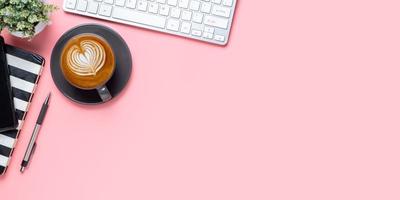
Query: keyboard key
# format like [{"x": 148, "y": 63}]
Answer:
[
  {"x": 131, "y": 3},
  {"x": 172, "y": 2},
  {"x": 220, "y": 38},
  {"x": 93, "y": 6},
  {"x": 109, "y": 1},
  {"x": 82, "y": 5},
  {"x": 153, "y": 8},
  {"x": 175, "y": 12},
  {"x": 70, "y": 4},
  {"x": 142, "y": 5},
  {"x": 227, "y": 2},
  {"x": 186, "y": 15},
  {"x": 221, "y": 11},
  {"x": 139, "y": 17},
  {"x": 194, "y": 5},
  {"x": 197, "y": 26},
  {"x": 120, "y": 2},
  {"x": 196, "y": 32},
  {"x": 164, "y": 10},
  {"x": 173, "y": 25},
  {"x": 185, "y": 28},
  {"x": 161, "y": 1},
  {"x": 216, "y": 22},
  {"x": 208, "y": 35},
  {"x": 183, "y": 3},
  {"x": 205, "y": 7},
  {"x": 209, "y": 29},
  {"x": 198, "y": 17},
  {"x": 216, "y": 1},
  {"x": 105, "y": 10}
]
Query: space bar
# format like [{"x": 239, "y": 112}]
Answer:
[{"x": 138, "y": 17}]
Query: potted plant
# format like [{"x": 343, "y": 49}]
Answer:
[{"x": 24, "y": 18}]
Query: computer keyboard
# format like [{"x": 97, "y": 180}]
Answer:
[{"x": 205, "y": 20}]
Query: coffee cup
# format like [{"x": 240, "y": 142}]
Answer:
[{"x": 88, "y": 62}]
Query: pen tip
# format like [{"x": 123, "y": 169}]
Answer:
[{"x": 22, "y": 169}]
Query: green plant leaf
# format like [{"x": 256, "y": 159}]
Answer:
[{"x": 24, "y": 15}]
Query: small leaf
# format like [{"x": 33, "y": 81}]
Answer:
[{"x": 23, "y": 15}]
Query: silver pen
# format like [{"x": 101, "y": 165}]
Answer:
[{"x": 32, "y": 143}]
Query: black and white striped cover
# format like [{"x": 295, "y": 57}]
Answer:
[{"x": 25, "y": 69}]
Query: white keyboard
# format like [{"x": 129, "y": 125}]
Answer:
[{"x": 205, "y": 20}]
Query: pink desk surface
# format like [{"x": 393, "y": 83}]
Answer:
[{"x": 303, "y": 103}]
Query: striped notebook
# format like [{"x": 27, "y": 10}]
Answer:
[{"x": 25, "y": 69}]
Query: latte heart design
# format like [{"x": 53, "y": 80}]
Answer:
[{"x": 87, "y": 58}]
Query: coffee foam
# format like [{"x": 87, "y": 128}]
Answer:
[{"x": 86, "y": 58}]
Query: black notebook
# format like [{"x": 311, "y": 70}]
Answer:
[
  {"x": 8, "y": 119},
  {"x": 25, "y": 69}
]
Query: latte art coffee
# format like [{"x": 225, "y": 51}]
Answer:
[
  {"x": 87, "y": 58},
  {"x": 87, "y": 61}
]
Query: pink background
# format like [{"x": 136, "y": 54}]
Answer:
[{"x": 303, "y": 103}]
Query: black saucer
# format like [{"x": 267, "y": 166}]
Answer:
[{"x": 121, "y": 74}]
